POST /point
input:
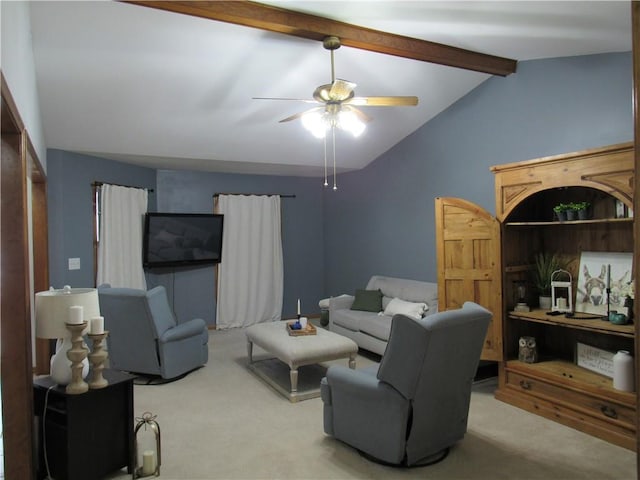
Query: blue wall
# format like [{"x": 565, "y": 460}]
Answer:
[
  {"x": 381, "y": 220},
  {"x": 302, "y": 245},
  {"x": 70, "y": 209},
  {"x": 191, "y": 290}
]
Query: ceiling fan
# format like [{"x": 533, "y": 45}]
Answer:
[{"x": 338, "y": 103}]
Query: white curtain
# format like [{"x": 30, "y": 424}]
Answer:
[
  {"x": 120, "y": 244},
  {"x": 251, "y": 273}
]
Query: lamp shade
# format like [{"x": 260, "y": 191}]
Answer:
[{"x": 53, "y": 309}]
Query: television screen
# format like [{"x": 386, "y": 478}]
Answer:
[{"x": 182, "y": 239}]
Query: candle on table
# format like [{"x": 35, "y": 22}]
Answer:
[
  {"x": 76, "y": 312},
  {"x": 148, "y": 462},
  {"x": 298, "y": 306},
  {"x": 97, "y": 325},
  {"x": 562, "y": 303},
  {"x": 608, "y": 285}
]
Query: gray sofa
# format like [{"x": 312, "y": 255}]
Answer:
[{"x": 370, "y": 330}]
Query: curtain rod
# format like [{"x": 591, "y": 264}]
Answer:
[
  {"x": 99, "y": 184},
  {"x": 283, "y": 195}
]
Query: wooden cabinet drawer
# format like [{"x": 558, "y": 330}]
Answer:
[{"x": 598, "y": 408}]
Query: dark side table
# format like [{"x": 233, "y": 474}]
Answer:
[{"x": 88, "y": 435}]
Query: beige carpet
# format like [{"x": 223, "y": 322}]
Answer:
[{"x": 222, "y": 422}]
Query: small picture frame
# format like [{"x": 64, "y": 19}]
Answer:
[
  {"x": 594, "y": 359},
  {"x": 621, "y": 209},
  {"x": 596, "y": 270}
]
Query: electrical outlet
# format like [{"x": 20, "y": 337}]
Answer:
[{"x": 74, "y": 264}]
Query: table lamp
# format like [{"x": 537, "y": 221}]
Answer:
[{"x": 54, "y": 309}]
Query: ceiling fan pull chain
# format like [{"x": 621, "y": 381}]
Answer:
[
  {"x": 333, "y": 134},
  {"x": 326, "y": 183}
]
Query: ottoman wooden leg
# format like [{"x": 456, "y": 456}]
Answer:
[
  {"x": 352, "y": 361},
  {"x": 250, "y": 351},
  {"x": 293, "y": 376}
]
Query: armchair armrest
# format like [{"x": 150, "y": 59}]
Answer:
[
  {"x": 356, "y": 398},
  {"x": 358, "y": 387},
  {"x": 187, "y": 329}
]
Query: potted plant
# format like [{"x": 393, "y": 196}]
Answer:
[
  {"x": 561, "y": 211},
  {"x": 545, "y": 264},
  {"x": 582, "y": 209}
]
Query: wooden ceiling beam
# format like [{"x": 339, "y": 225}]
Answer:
[{"x": 274, "y": 19}]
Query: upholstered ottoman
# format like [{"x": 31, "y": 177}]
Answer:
[{"x": 297, "y": 351}]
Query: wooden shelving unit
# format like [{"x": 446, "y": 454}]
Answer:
[
  {"x": 482, "y": 258},
  {"x": 556, "y": 387},
  {"x": 571, "y": 222},
  {"x": 593, "y": 323}
]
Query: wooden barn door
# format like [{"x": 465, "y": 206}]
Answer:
[{"x": 468, "y": 253}]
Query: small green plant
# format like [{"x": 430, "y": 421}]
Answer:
[
  {"x": 545, "y": 264},
  {"x": 561, "y": 207},
  {"x": 580, "y": 205}
]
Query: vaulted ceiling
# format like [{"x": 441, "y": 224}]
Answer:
[{"x": 172, "y": 90}]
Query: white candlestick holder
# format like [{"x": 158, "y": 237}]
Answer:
[
  {"x": 97, "y": 358},
  {"x": 76, "y": 354}
]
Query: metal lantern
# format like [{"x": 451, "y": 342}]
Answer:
[
  {"x": 147, "y": 447},
  {"x": 561, "y": 297}
]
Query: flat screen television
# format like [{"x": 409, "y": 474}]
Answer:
[{"x": 182, "y": 239}]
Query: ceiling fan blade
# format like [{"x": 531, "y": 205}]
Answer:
[
  {"x": 341, "y": 90},
  {"x": 292, "y": 117},
  {"x": 306, "y": 100},
  {"x": 359, "y": 113},
  {"x": 299, "y": 114},
  {"x": 383, "y": 101}
]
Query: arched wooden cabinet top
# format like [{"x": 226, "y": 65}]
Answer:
[{"x": 609, "y": 169}]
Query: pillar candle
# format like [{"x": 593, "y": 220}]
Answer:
[
  {"x": 148, "y": 462},
  {"x": 76, "y": 312},
  {"x": 608, "y": 285},
  {"x": 298, "y": 306},
  {"x": 97, "y": 325},
  {"x": 562, "y": 303}
]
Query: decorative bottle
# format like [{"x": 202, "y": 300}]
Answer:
[{"x": 623, "y": 371}]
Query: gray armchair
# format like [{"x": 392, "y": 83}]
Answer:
[
  {"x": 413, "y": 407},
  {"x": 144, "y": 336}
]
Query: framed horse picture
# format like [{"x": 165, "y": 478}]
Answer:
[{"x": 599, "y": 271}]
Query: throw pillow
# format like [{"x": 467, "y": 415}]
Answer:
[
  {"x": 367, "y": 300},
  {"x": 410, "y": 309}
]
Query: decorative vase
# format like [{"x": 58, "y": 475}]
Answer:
[
  {"x": 583, "y": 214},
  {"x": 623, "y": 371},
  {"x": 545, "y": 302},
  {"x": 562, "y": 216},
  {"x": 571, "y": 215}
]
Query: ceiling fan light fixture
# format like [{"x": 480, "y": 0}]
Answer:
[
  {"x": 349, "y": 122},
  {"x": 315, "y": 122},
  {"x": 319, "y": 122}
]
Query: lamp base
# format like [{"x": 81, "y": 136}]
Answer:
[{"x": 60, "y": 366}]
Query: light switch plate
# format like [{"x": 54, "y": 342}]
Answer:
[{"x": 74, "y": 264}]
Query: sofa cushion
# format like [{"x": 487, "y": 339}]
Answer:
[
  {"x": 367, "y": 301},
  {"x": 378, "y": 326},
  {"x": 409, "y": 290},
  {"x": 415, "y": 310},
  {"x": 350, "y": 319}
]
